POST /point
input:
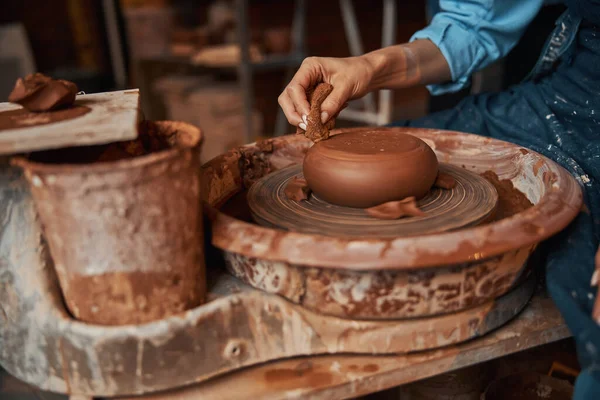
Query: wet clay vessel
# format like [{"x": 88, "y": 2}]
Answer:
[
  {"x": 125, "y": 236},
  {"x": 366, "y": 168},
  {"x": 389, "y": 277}
]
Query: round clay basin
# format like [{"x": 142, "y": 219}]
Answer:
[{"x": 400, "y": 277}]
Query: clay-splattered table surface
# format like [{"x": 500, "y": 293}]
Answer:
[
  {"x": 340, "y": 377},
  {"x": 346, "y": 376}
]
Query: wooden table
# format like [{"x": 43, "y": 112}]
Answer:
[{"x": 347, "y": 376}]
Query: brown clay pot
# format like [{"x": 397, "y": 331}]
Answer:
[
  {"x": 365, "y": 169},
  {"x": 125, "y": 236}
]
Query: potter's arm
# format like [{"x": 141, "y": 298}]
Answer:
[
  {"x": 462, "y": 38},
  {"x": 465, "y": 36}
]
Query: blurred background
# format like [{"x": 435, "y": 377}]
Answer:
[{"x": 221, "y": 64}]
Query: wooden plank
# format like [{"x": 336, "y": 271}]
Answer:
[
  {"x": 347, "y": 376},
  {"x": 113, "y": 117}
]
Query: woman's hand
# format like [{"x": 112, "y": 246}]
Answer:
[
  {"x": 395, "y": 67},
  {"x": 350, "y": 78}
]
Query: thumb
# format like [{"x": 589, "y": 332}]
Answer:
[{"x": 334, "y": 103}]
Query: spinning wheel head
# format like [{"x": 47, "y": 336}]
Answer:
[{"x": 472, "y": 201}]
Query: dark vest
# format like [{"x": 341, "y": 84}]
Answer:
[{"x": 587, "y": 9}]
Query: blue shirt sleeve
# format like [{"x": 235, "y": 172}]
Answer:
[{"x": 472, "y": 34}]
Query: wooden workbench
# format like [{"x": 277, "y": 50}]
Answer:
[{"x": 347, "y": 376}]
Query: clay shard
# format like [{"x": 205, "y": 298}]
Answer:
[
  {"x": 39, "y": 93},
  {"x": 315, "y": 129},
  {"x": 444, "y": 181},
  {"x": 396, "y": 209},
  {"x": 297, "y": 189}
]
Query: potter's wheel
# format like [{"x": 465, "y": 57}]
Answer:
[{"x": 470, "y": 202}]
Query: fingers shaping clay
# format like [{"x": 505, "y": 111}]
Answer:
[
  {"x": 315, "y": 129},
  {"x": 39, "y": 93},
  {"x": 396, "y": 209},
  {"x": 368, "y": 168}
]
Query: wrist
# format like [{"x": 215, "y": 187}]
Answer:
[
  {"x": 393, "y": 67},
  {"x": 377, "y": 65},
  {"x": 401, "y": 66}
]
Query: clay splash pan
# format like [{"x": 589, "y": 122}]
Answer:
[
  {"x": 555, "y": 195},
  {"x": 391, "y": 278}
]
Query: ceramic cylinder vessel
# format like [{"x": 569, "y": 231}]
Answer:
[{"x": 125, "y": 236}]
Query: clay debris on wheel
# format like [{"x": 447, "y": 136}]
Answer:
[{"x": 315, "y": 129}]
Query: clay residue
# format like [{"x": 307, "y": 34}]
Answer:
[
  {"x": 510, "y": 200},
  {"x": 121, "y": 298},
  {"x": 537, "y": 166},
  {"x": 254, "y": 163},
  {"x": 22, "y": 118},
  {"x": 315, "y": 129},
  {"x": 297, "y": 189},
  {"x": 150, "y": 140},
  {"x": 303, "y": 375},
  {"x": 396, "y": 209},
  {"x": 40, "y": 93},
  {"x": 444, "y": 181}
]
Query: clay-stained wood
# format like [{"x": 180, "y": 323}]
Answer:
[
  {"x": 348, "y": 376},
  {"x": 113, "y": 117}
]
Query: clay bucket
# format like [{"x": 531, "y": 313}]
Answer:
[{"x": 125, "y": 236}]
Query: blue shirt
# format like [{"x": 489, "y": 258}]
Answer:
[{"x": 473, "y": 34}]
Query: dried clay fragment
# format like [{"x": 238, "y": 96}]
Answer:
[
  {"x": 444, "y": 181},
  {"x": 297, "y": 189},
  {"x": 396, "y": 209},
  {"x": 315, "y": 129},
  {"x": 40, "y": 93}
]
